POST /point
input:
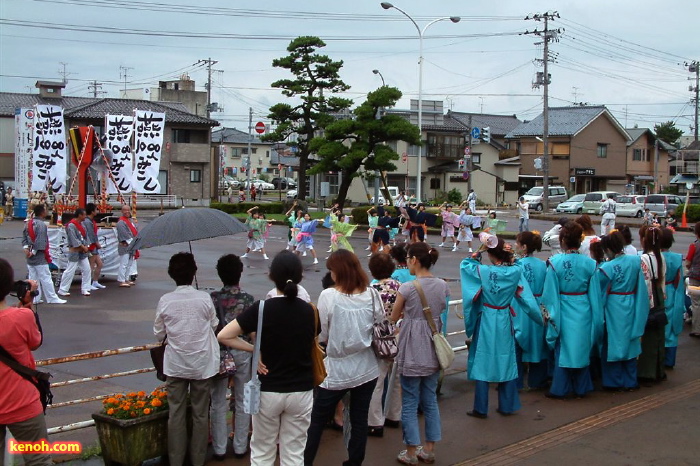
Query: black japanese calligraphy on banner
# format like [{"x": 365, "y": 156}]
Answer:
[
  {"x": 119, "y": 130},
  {"x": 148, "y": 144},
  {"x": 49, "y": 150}
]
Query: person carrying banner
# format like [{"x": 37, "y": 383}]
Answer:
[
  {"x": 77, "y": 256},
  {"x": 96, "y": 263},
  {"x": 126, "y": 233},
  {"x": 35, "y": 241}
]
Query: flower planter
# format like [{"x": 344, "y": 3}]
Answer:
[{"x": 132, "y": 441}]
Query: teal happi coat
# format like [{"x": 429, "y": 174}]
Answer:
[
  {"x": 625, "y": 306},
  {"x": 528, "y": 332},
  {"x": 572, "y": 296},
  {"x": 675, "y": 297},
  {"x": 487, "y": 294}
]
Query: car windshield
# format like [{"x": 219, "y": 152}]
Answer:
[
  {"x": 536, "y": 191},
  {"x": 576, "y": 198}
]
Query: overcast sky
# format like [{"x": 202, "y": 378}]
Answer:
[{"x": 628, "y": 55}]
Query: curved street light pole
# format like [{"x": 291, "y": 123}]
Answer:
[
  {"x": 380, "y": 75},
  {"x": 454, "y": 19}
]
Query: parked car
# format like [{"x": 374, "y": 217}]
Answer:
[
  {"x": 534, "y": 197},
  {"x": 227, "y": 181},
  {"x": 630, "y": 206},
  {"x": 284, "y": 183},
  {"x": 592, "y": 201},
  {"x": 662, "y": 204},
  {"x": 260, "y": 184},
  {"x": 292, "y": 194},
  {"x": 573, "y": 205}
]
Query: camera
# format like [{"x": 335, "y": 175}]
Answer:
[{"x": 21, "y": 287}]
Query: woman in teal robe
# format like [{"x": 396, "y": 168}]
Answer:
[
  {"x": 675, "y": 296},
  {"x": 572, "y": 298},
  {"x": 340, "y": 232},
  {"x": 487, "y": 294},
  {"x": 531, "y": 346},
  {"x": 625, "y": 307}
]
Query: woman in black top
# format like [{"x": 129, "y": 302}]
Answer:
[{"x": 288, "y": 332}]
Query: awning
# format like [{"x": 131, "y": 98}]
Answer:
[
  {"x": 644, "y": 178},
  {"x": 683, "y": 179}
]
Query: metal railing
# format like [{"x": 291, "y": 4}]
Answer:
[
  {"x": 143, "y": 200},
  {"x": 456, "y": 304}
]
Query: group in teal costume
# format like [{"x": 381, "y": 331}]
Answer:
[
  {"x": 488, "y": 292},
  {"x": 675, "y": 296},
  {"x": 571, "y": 296},
  {"x": 626, "y": 308},
  {"x": 529, "y": 335}
]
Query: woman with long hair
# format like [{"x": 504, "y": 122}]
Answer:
[
  {"x": 675, "y": 296},
  {"x": 572, "y": 298},
  {"x": 286, "y": 376},
  {"x": 531, "y": 347},
  {"x": 625, "y": 307},
  {"x": 348, "y": 311},
  {"x": 651, "y": 360},
  {"x": 588, "y": 234},
  {"x": 488, "y": 292},
  {"x": 417, "y": 361}
]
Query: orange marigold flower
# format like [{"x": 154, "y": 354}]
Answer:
[
  {"x": 156, "y": 403},
  {"x": 131, "y": 395},
  {"x": 110, "y": 411},
  {"x": 140, "y": 404},
  {"x": 147, "y": 411},
  {"x": 121, "y": 395},
  {"x": 112, "y": 400},
  {"x": 141, "y": 394}
]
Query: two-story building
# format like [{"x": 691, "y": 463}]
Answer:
[
  {"x": 647, "y": 162},
  {"x": 587, "y": 150},
  {"x": 185, "y": 168},
  {"x": 232, "y": 146}
]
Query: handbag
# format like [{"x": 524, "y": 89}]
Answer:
[
  {"x": 157, "y": 356},
  {"x": 38, "y": 378},
  {"x": 227, "y": 366},
  {"x": 317, "y": 354},
  {"x": 384, "y": 342},
  {"x": 444, "y": 351},
  {"x": 251, "y": 389},
  {"x": 657, "y": 314}
]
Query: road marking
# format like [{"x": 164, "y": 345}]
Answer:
[{"x": 516, "y": 452}]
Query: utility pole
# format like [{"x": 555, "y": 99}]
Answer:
[
  {"x": 63, "y": 72},
  {"x": 96, "y": 88},
  {"x": 209, "y": 62},
  {"x": 250, "y": 145},
  {"x": 469, "y": 158},
  {"x": 547, "y": 35},
  {"x": 124, "y": 73},
  {"x": 694, "y": 67}
]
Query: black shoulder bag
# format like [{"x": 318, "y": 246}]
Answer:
[
  {"x": 657, "y": 314},
  {"x": 38, "y": 378}
]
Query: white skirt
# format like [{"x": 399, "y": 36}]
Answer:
[
  {"x": 255, "y": 244},
  {"x": 465, "y": 234}
]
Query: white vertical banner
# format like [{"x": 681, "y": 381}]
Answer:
[
  {"x": 148, "y": 145},
  {"x": 118, "y": 130},
  {"x": 24, "y": 126},
  {"x": 49, "y": 152}
]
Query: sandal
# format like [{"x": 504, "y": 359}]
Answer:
[
  {"x": 424, "y": 456},
  {"x": 403, "y": 458}
]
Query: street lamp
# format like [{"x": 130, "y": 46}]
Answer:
[
  {"x": 380, "y": 75},
  {"x": 454, "y": 19}
]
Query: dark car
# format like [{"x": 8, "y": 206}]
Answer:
[{"x": 284, "y": 183}]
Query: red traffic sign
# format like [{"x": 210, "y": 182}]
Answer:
[
  {"x": 279, "y": 167},
  {"x": 260, "y": 127},
  {"x": 467, "y": 150},
  {"x": 404, "y": 157}
]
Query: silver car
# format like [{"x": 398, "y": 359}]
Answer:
[
  {"x": 573, "y": 205},
  {"x": 629, "y": 206}
]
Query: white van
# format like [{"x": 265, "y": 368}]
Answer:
[
  {"x": 535, "y": 199},
  {"x": 593, "y": 201}
]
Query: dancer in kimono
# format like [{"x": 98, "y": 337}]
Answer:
[
  {"x": 35, "y": 243},
  {"x": 373, "y": 221},
  {"x": 571, "y": 296},
  {"x": 487, "y": 293},
  {"x": 305, "y": 239},
  {"x": 675, "y": 296},
  {"x": 256, "y": 242},
  {"x": 340, "y": 232},
  {"x": 449, "y": 221},
  {"x": 625, "y": 307},
  {"x": 294, "y": 218},
  {"x": 531, "y": 347},
  {"x": 466, "y": 220},
  {"x": 382, "y": 237}
]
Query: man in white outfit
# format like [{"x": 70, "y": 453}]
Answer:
[
  {"x": 608, "y": 210},
  {"x": 126, "y": 233},
  {"x": 471, "y": 200},
  {"x": 35, "y": 241},
  {"x": 77, "y": 256}
]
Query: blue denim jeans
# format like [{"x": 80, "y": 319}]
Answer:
[
  {"x": 524, "y": 225},
  {"x": 423, "y": 390}
]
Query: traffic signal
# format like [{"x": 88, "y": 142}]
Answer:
[
  {"x": 486, "y": 134},
  {"x": 462, "y": 164}
]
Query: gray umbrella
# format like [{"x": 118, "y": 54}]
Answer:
[{"x": 185, "y": 225}]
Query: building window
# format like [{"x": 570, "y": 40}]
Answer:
[
  {"x": 602, "y": 151},
  {"x": 181, "y": 136},
  {"x": 333, "y": 183},
  {"x": 476, "y": 158},
  {"x": 267, "y": 154},
  {"x": 245, "y": 150},
  {"x": 235, "y": 152},
  {"x": 637, "y": 154},
  {"x": 195, "y": 176},
  {"x": 413, "y": 149}
]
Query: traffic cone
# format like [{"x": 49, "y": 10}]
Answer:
[{"x": 684, "y": 221}]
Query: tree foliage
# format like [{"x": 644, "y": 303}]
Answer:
[
  {"x": 348, "y": 145},
  {"x": 315, "y": 79},
  {"x": 668, "y": 132}
]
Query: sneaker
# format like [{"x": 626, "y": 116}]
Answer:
[
  {"x": 85, "y": 293},
  {"x": 38, "y": 301},
  {"x": 330, "y": 250},
  {"x": 304, "y": 254},
  {"x": 287, "y": 248},
  {"x": 244, "y": 255},
  {"x": 368, "y": 248},
  {"x": 441, "y": 245},
  {"x": 265, "y": 256},
  {"x": 403, "y": 458},
  {"x": 470, "y": 250},
  {"x": 63, "y": 293},
  {"x": 315, "y": 261},
  {"x": 424, "y": 456},
  {"x": 455, "y": 249},
  {"x": 98, "y": 285},
  {"x": 59, "y": 301},
  {"x": 93, "y": 288},
  {"x": 369, "y": 255}
]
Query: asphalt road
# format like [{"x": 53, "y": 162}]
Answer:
[{"x": 117, "y": 317}]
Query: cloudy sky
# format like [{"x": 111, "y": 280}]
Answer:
[{"x": 628, "y": 55}]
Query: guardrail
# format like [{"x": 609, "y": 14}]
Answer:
[
  {"x": 456, "y": 304},
  {"x": 144, "y": 200}
]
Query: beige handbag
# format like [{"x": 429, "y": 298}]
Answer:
[{"x": 444, "y": 351}]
